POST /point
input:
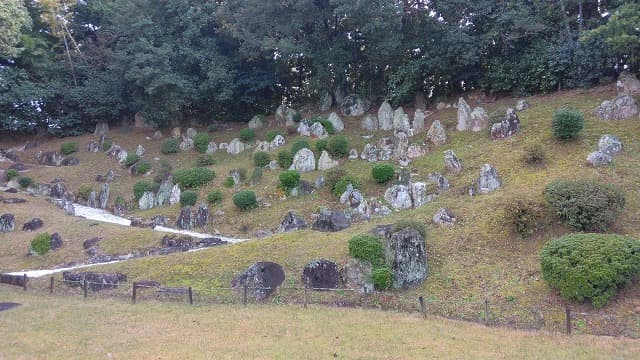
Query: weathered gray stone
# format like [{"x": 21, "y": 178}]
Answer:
[
  {"x": 212, "y": 147},
  {"x": 479, "y": 119},
  {"x": 415, "y": 151},
  {"x": 353, "y": 105},
  {"x": 235, "y": 175},
  {"x": 464, "y": 115},
  {"x": 33, "y": 224},
  {"x": 325, "y": 102},
  {"x": 444, "y": 217},
  {"x": 292, "y": 222},
  {"x": 418, "y": 120},
  {"x": 401, "y": 120},
  {"x": 93, "y": 146},
  {"x": 353, "y": 154},
  {"x": 369, "y": 123},
  {"x": 164, "y": 193},
  {"x": 400, "y": 144},
  {"x": 610, "y": 145},
  {"x": 202, "y": 215},
  {"x": 318, "y": 131},
  {"x": 441, "y": 182},
  {"x": 256, "y": 122},
  {"x": 620, "y": 108},
  {"x": 331, "y": 221},
  {"x": 58, "y": 189},
  {"x": 598, "y": 158},
  {"x": 70, "y": 161},
  {"x": 627, "y": 84},
  {"x": 351, "y": 197},
  {"x": 186, "y": 144},
  {"x": 399, "y": 197},
  {"x": 263, "y": 146},
  {"x": 140, "y": 150},
  {"x": 277, "y": 142},
  {"x": 385, "y": 116},
  {"x": 325, "y": 162},
  {"x": 357, "y": 275},
  {"x": 420, "y": 194},
  {"x": 451, "y": 162},
  {"x": 437, "y": 134},
  {"x": 406, "y": 252},
  {"x": 489, "y": 181},
  {"x": 321, "y": 274},
  {"x": 56, "y": 241},
  {"x": 146, "y": 201},
  {"x": 191, "y": 133},
  {"x": 7, "y": 223},
  {"x": 273, "y": 165},
  {"x": 304, "y": 161},
  {"x": 103, "y": 198},
  {"x": 50, "y": 158},
  {"x": 285, "y": 115},
  {"x": 522, "y": 105},
  {"x": 185, "y": 219},
  {"x": 261, "y": 280},
  {"x": 304, "y": 129},
  {"x": 338, "y": 125},
  {"x": 92, "y": 202},
  {"x": 236, "y": 146},
  {"x": 508, "y": 127},
  {"x": 174, "y": 198},
  {"x": 157, "y": 135},
  {"x": 95, "y": 281},
  {"x": 370, "y": 153},
  {"x": 102, "y": 128},
  {"x": 176, "y": 132}
]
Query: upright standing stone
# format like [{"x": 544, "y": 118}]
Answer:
[
  {"x": 385, "y": 116},
  {"x": 507, "y": 127},
  {"x": 325, "y": 162},
  {"x": 489, "y": 181},
  {"x": 7, "y": 223},
  {"x": 451, "y": 162},
  {"x": 202, "y": 215},
  {"x": 338, "y": 125},
  {"x": 185, "y": 220},
  {"x": 303, "y": 161},
  {"x": 464, "y": 115},
  {"x": 147, "y": 201},
  {"x": 104, "y": 196},
  {"x": 436, "y": 134},
  {"x": 174, "y": 198},
  {"x": 401, "y": 120},
  {"x": 418, "y": 120},
  {"x": 407, "y": 254}
]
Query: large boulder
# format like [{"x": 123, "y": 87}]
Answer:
[
  {"x": 627, "y": 84},
  {"x": 338, "y": 125},
  {"x": 598, "y": 158},
  {"x": 277, "y": 142},
  {"x": 146, "y": 201},
  {"x": 451, "y": 162},
  {"x": 406, "y": 252},
  {"x": 50, "y": 158},
  {"x": 479, "y": 119},
  {"x": 236, "y": 146},
  {"x": 351, "y": 197},
  {"x": 103, "y": 197},
  {"x": 185, "y": 219},
  {"x": 385, "y": 116},
  {"x": 202, "y": 215},
  {"x": 369, "y": 123},
  {"x": 353, "y": 105},
  {"x": 401, "y": 120},
  {"x": 436, "y": 134},
  {"x": 357, "y": 275},
  {"x": 33, "y": 224},
  {"x": 370, "y": 153},
  {"x": 464, "y": 115},
  {"x": 489, "y": 181},
  {"x": 321, "y": 274},
  {"x": 399, "y": 197},
  {"x": 95, "y": 281},
  {"x": 292, "y": 222},
  {"x": 331, "y": 221},
  {"x": 508, "y": 127},
  {"x": 256, "y": 122},
  {"x": 164, "y": 193},
  {"x": 610, "y": 145},
  {"x": 261, "y": 279},
  {"x": 7, "y": 223},
  {"x": 620, "y": 108},
  {"x": 420, "y": 194},
  {"x": 317, "y": 130},
  {"x": 285, "y": 116},
  {"x": 303, "y": 161},
  {"x": 325, "y": 162}
]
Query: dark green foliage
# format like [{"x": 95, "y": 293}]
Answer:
[
  {"x": 326, "y": 124},
  {"x": 247, "y": 135},
  {"x": 567, "y": 124},
  {"x": 382, "y": 278},
  {"x": 333, "y": 175},
  {"x": 585, "y": 205},
  {"x": 194, "y": 177},
  {"x": 25, "y": 181},
  {"x": 413, "y": 224},
  {"x": 245, "y": 200},
  {"x": 170, "y": 146},
  {"x": 201, "y": 142},
  {"x": 288, "y": 180},
  {"x": 243, "y": 174},
  {"x": 205, "y": 160},
  {"x": 68, "y": 148},
  {"x": 11, "y": 173},
  {"x": 41, "y": 244},
  {"x": 106, "y": 145},
  {"x": 297, "y": 116},
  {"x": 215, "y": 197},
  {"x": 131, "y": 159},
  {"x": 590, "y": 266},
  {"x": 143, "y": 167},
  {"x": 188, "y": 198},
  {"x": 341, "y": 185},
  {"x": 84, "y": 190},
  {"x": 143, "y": 186},
  {"x": 212, "y": 128},
  {"x": 321, "y": 145},
  {"x": 271, "y": 134},
  {"x": 338, "y": 146},
  {"x": 164, "y": 172},
  {"x": 285, "y": 158},
  {"x": 261, "y": 158},
  {"x": 525, "y": 216},
  {"x": 229, "y": 182},
  {"x": 367, "y": 248},
  {"x": 120, "y": 201},
  {"x": 299, "y": 145},
  {"x": 382, "y": 173},
  {"x": 534, "y": 155}
]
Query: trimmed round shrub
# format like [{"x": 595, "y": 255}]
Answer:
[
  {"x": 25, "y": 181},
  {"x": 106, "y": 145},
  {"x": 590, "y": 266},
  {"x": 84, "y": 191},
  {"x": 188, "y": 198},
  {"x": 261, "y": 158},
  {"x": 413, "y": 224},
  {"x": 585, "y": 205},
  {"x": 201, "y": 142},
  {"x": 382, "y": 278},
  {"x": 367, "y": 248},
  {"x": 288, "y": 180},
  {"x": 11, "y": 173},
  {"x": 285, "y": 158},
  {"x": 170, "y": 146},
  {"x": 247, "y": 135},
  {"x": 338, "y": 146},
  {"x": 143, "y": 167},
  {"x": 131, "y": 159},
  {"x": 321, "y": 145},
  {"x": 194, "y": 177},
  {"x": 229, "y": 182},
  {"x": 245, "y": 200},
  {"x": 567, "y": 124},
  {"x": 68, "y": 148},
  {"x": 143, "y": 186},
  {"x": 299, "y": 145},
  {"x": 41, "y": 244},
  {"x": 205, "y": 160},
  {"x": 382, "y": 173},
  {"x": 271, "y": 135},
  {"x": 215, "y": 197},
  {"x": 341, "y": 186},
  {"x": 326, "y": 124}
]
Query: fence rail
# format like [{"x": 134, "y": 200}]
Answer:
[{"x": 488, "y": 311}]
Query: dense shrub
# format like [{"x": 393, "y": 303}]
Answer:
[
  {"x": 106, "y": 145},
  {"x": 297, "y": 116},
  {"x": 143, "y": 186},
  {"x": 288, "y": 180},
  {"x": 382, "y": 278},
  {"x": 285, "y": 158},
  {"x": 338, "y": 146},
  {"x": 271, "y": 134},
  {"x": 326, "y": 124},
  {"x": 194, "y": 177},
  {"x": 205, "y": 160},
  {"x": 131, "y": 159},
  {"x": 590, "y": 266},
  {"x": 341, "y": 186},
  {"x": 368, "y": 248},
  {"x": 321, "y": 145},
  {"x": 585, "y": 205},
  {"x": 333, "y": 175},
  {"x": 299, "y": 145},
  {"x": 188, "y": 198},
  {"x": 212, "y": 128},
  {"x": 25, "y": 181},
  {"x": 245, "y": 200},
  {"x": 524, "y": 216},
  {"x": 215, "y": 197},
  {"x": 534, "y": 155},
  {"x": 229, "y": 182},
  {"x": 84, "y": 191},
  {"x": 382, "y": 173},
  {"x": 143, "y": 167},
  {"x": 567, "y": 123},
  {"x": 261, "y": 158},
  {"x": 409, "y": 223},
  {"x": 11, "y": 173},
  {"x": 201, "y": 142},
  {"x": 41, "y": 244},
  {"x": 68, "y": 148},
  {"x": 247, "y": 135},
  {"x": 170, "y": 146}
]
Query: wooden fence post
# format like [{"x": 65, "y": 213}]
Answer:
[
  {"x": 51, "y": 281},
  {"x": 24, "y": 284},
  {"x": 190, "y": 296},
  {"x": 306, "y": 289},
  {"x": 244, "y": 295},
  {"x": 486, "y": 312},
  {"x": 423, "y": 309},
  {"x": 84, "y": 287},
  {"x": 568, "y": 313},
  {"x": 133, "y": 295}
]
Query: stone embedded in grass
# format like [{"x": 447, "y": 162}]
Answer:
[
  {"x": 325, "y": 162},
  {"x": 385, "y": 116},
  {"x": 164, "y": 193},
  {"x": 202, "y": 215},
  {"x": 255, "y": 123},
  {"x": 185, "y": 219},
  {"x": 236, "y": 146},
  {"x": 174, "y": 198},
  {"x": 522, "y": 105},
  {"x": 95, "y": 281},
  {"x": 7, "y": 223},
  {"x": 479, "y": 119},
  {"x": 292, "y": 222},
  {"x": 370, "y": 153},
  {"x": 261, "y": 279},
  {"x": 401, "y": 120},
  {"x": 146, "y": 201},
  {"x": 418, "y": 121},
  {"x": 304, "y": 129},
  {"x": 508, "y": 127},
  {"x": 103, "y": 197},
  {"x": 191, "y": 133},
  {"x": 277, "y": 142},
  {"x": 212, "y": 147},
  {"x": 610, "y": 145},
  {"x": 50, "y": 158},
  {"x": 58, "y": 189},
  {"x": 13, "y": 201},
  {"x": 415, "y": 151},
  {"x": 369, "y": 123},
  {"x": 318, "y": 131},
  {"x": 357, "y": 275},
  {"x": 598, "y": 158},
  {"x": 331, "y": 221},
  {"x": 334, "y": 119},
  {"x": 444, "y": 217},
  {"x": 186, "y": 144},
  {"x": 351, "y": 197},
  {"x": 464, "y": 115},
  {"x": 419, "y": 195},
  {"x": 354, "y": 105},
  {"x": 33, "y": 224},
  {"x": 304, "y": 161},
  {"x": 140, "y": 150},
  {"x": 56, "y": 241},
  {"x": 620, "y": 108},
  {"x": 93, "y": 146},
  {"x": 321, "y": 274},
  {"x": 406, "y": 252},
  {"x": 440, "y": 181},
  {"x": 489, "y": 181},
  {"x": 353, "y": 154}
]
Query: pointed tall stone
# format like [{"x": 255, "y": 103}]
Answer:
[
  {"x": 385, "y": 116},
  {"x": 464, "y": 115}
]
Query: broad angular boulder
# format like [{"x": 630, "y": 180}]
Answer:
[
  {"x": 321, "y": 274},
  {"x": 50, "y": 158},
  {"x": 489, "y": 181},
  {"x": 338, "y": 125},
  {"x": 304, "y": 161},
  {"x": 261, "y": 279},
  {"x": 620, "y": 108},
  {"x": 437, "y": 134},
  {"x": 236, "y": 146},
  {"x": 292, "y": 222},
  {"x": 331, "y": 221},
  {"x": 507, "y": 127},
  {"x": 399, "y": 197},
  {"x": 610, "y": 145},
  {"x": 406, "y": 252},
  {"x": 7, "y": 223}
]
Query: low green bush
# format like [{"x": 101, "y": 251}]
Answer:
[
  {"x": 271, "y": 135},
  {"x": 84, "y": 191},
  {"x": 341, "y": 186},
  {"x": 338, "y": 146},
  {"x": 143, "y": 186},
  {"x": 188, "y": 198},
  {"x": 585, "y": 205},
  {"x": 205, "y": 160},
  {"x": 11, "y": 173},
  {"x": 215, "y": 197},
  {"x": 170, "y": 146},
  {"x": 229, "y": 182},
  {"x": 261, "y": 158},
  {"x": 524, "y": 216},
  {"x": 25, "y": 181},
  {"x": 131, "y": 159},
  {"x": 367, "y": 248},
  {"x": 333, "y": 175},
  {"x": 590, "y": 266},
  {"x": 245, "y": 200},
  {"x": 299, "y": 145},
  {"x": 106, "y": 145},
  {"x": 143, "y": 167},
  {"x": 247, "y": 135},
  {"x": 285, "y": 158},
  {"x": 382, "y": 173},
  {"x": 194, "y": 177},
  {"x": 567, "y": 124},
  {"x": 382, "y": 278},
  {"x": 201, "y": 142},
  {"x": 68, "y": 148},
  {"x": 288, "y": 180},
  {"x": 41, "y": 243},
  {"x": 321, "y": 145},
  {"x": 409, "y": 223}
]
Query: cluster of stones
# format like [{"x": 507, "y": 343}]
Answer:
[
  {"x": 608, "y": 146},
  {"x": 622, "y": 106}
]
